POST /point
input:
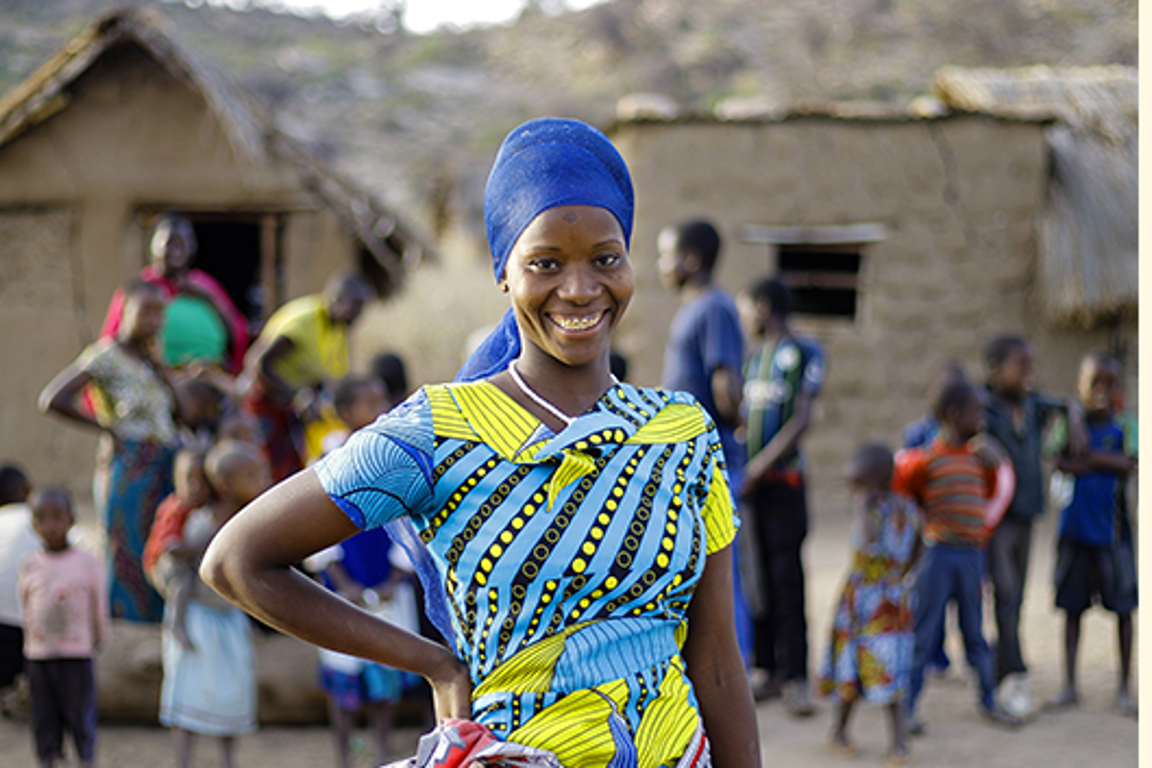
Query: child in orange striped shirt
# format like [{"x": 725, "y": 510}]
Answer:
[{"x": 953, "y": 481}]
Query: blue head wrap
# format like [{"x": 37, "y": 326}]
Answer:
[{"x": 543, "y": 164}]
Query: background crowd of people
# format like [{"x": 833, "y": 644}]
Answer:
[
  {"x": 951, "y": 512},
  {"x": 198, "y": 418}
]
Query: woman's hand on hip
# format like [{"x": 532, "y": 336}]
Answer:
[{"x": 451, "y": 688}]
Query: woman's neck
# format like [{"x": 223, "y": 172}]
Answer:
[
  {"x": 571, "y": 389},
  {"x": 136, "y": 346}
]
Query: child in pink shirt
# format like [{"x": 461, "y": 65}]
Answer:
[{"x": 65, "y": 623}]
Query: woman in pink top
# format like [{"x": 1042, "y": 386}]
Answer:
[{"x": 210, "y": 329}]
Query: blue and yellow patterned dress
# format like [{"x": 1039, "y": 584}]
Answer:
[{"x": 568, "y": 560}]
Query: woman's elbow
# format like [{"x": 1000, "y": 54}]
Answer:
[
  {"x": 47, "y": 401},
  {"x": 215, "y": 573}
]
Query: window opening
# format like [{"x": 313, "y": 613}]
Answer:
[
  {"x": 824, "y": 280},
  {"x": 821, "y": 265}
]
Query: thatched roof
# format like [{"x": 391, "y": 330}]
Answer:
[
  {"x": 1088, "y": 232},
  {"x": 253, "y": 139}
]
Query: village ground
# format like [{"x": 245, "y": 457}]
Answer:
[{"x": 1091, "y": 735}]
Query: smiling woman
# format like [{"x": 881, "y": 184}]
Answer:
[
  {"x": 574, "y": 533},
  {"x": 569, "y": 280}
]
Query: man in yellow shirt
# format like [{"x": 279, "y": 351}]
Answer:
[{"x": 303, "y": 346}]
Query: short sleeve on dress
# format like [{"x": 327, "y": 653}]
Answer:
[
  {"x": 720, "y": 521},
  {"x": 95, "y": 359},
  {"x": 384, "y": 471}
]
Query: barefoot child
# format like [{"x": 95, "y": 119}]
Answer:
[
  {"x": 953, "y": 482},
  {"x": 870, "y": 653},
  {"x": 65, "y": 624},
  {"x": 169, "y": 565},
  {"x": 1094, "y": 559},
  {"x": 210, "y": 684}
]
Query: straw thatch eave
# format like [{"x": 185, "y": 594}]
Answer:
[
  {"x": 394, "y": 246},
  {"x": 1088, "y": 228},
  {"x": 45, "y": 92}
]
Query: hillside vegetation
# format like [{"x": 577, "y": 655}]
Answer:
[{"x": 418, "y": 118}]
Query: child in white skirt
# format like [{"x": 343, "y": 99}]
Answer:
[{"x": 209, "y": 684}]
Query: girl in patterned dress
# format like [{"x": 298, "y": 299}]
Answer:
[
  {"x": 137, "y": 406},
  {"x": 870, "y": 652},
  {"x": 574, "y": 533}
]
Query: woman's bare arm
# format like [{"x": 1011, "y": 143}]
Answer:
[
  {"x": 275, "y": 388},
  {"x": 250, "y": 563},
  {"x": 61, "y": 394},
  {"x": 716, "y": 668}
]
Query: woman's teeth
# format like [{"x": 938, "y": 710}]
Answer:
[{"x": 576, "y": 323}]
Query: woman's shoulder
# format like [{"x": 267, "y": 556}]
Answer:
[
  {"x": 681, "y": 402},
  {"x": 101, "y": 350},
  {"x": 661, "y": 395},
  {"x": 667, "y": 414},
  {"x": 412, "y": 412},
  {"x": 408, "y": 424}
]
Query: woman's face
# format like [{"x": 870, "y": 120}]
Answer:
[
  {"x": 143, "y": 315},
  {"x": 570, "y": 280},
  {"x": 173, "y": 247}
]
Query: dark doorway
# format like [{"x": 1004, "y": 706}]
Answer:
[{"x": 229, "y": 250}]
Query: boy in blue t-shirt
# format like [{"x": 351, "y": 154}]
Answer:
[
  {"x": 705, "y": 354},
  {"x": 1095, "y": 558}
]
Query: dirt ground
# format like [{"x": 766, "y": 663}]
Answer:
[{"x": 1093, "y": 734}]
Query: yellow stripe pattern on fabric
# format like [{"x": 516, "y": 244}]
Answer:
[
  {"x": 669, "y": 721},
  {"x": 675, "y": 423},
  {"x": 719, "y": 522},
  {"x": 503, "y": 429},
  {"x": 531, "y": 669},
  {"x": 446, "y": 415},
  {"x": 575, "y": 466},
  {"x": 574, "y": 728}
]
